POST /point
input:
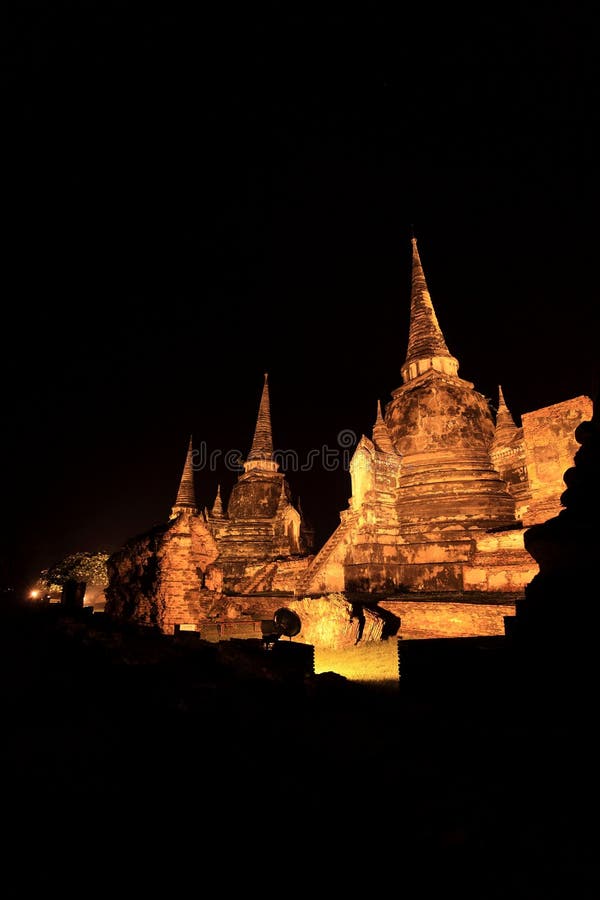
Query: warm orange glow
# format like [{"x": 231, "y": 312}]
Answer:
[
  {"x": 375, "y": 662},
  {"x": 34, "y": 595},
  {"x": 327, "y": 621}
]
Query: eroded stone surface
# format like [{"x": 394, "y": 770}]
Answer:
[
  {"x": 563, "y": 595},
  {"x": 184, "y": 572},
  {"x": 333, "y": 621},
  {"x": 166, "y": 576},
  {"x": 440, "y": 494}
]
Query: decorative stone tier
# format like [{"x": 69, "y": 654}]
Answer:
[{"x": 443, "y": 430}]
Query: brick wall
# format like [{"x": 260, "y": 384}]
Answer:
[
  {"x": 438, "y": 619},
  {"x": 550, "y": 445}
]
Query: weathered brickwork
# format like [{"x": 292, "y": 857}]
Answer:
[
  {"x": 437, "y": 619},
  {"x": 166, "y": 576},
  {"x": 562, "y": 597},
  {"x": 442, "y": 495},
  {"x": 550, "y": 446},
  {"x": 440, "y": 492},
  {"x": 207, "y": 566}
]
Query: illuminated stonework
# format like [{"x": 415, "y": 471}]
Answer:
[
  {"x": 440, "y": 495},
  {"x": 556, "y": 624},
  {"x": 165, "y": 577},
  {"x": 550, "y": 446},
  {"x": 262, "y": 540},
  {"x": 334, "y": 622},
  {"x": 201, "y": 566},
  {"x": 433, "y": 531}
]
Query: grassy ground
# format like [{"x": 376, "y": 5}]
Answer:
[{"x": 375, "y": 662}]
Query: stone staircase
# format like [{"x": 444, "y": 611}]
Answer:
[
  {"x": 324, "y": 555},
  {"x": 252, "y": 584}
]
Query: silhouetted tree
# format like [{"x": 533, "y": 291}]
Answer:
[{"x": 74, "y": 572}]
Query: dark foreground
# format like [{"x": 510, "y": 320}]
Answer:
[{"x": 137, "y": 764}]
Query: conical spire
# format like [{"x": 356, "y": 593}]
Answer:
[
  {"x": 217, "y": 509},
  {"x": 426, "y": 345},
  {"x": 381, "y": 435},
  {"x": 186, "y": 495},
  {"x": 505, "y": 424},
  {"x": 262, "y": 445},
  {"x": 283, "y": 497}
]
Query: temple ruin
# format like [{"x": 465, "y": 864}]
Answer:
[
  {"x": 442, "y": 496},
  {"x": 441, "y": 492},
  {"x": 195, "y": 567}
]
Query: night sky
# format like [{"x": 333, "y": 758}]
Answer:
[{"x": 192, "y": 199}]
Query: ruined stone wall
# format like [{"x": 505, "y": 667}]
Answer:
[
  {"x": 438, "y": 619},
  {"x": 133, "y": 593},
  {"x": 189, "y": 580},
  {"x": 165, "y": 577},
  {"x": 333, "y": 621},
  {"x": 550, "y": 445},
  {"x": 428, "y": 561},
  {"x": 373, "y": 558},
  {"x": 499, "y": 563}
]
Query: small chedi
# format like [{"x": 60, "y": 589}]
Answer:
[
  {"x": 201, "y": 565},
  {"x": 263, "y": 539},
  {"x": 442, "y": 496}
]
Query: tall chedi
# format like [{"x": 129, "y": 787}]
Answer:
[
  {"x": 261, "y": 524},
  {"x": 257, "y": 491},
  {"x": 186, "y": 495},
  {"x": 443, "y": 430},
  {"x": 425, "y": 495}
]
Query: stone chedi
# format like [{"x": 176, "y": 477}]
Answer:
[
  {"x": 263, "y": 542},
  {"x": 442, "y": 429},
  {"x": 167, "y": 576},
  {"x": 438, "y": 495},
  {"x": 190, "y": 570},
  {"x": 434, "y": 527},
  {"x": 507, "y": 453}
]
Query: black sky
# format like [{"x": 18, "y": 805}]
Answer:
[{"x": 190, "y": 199}]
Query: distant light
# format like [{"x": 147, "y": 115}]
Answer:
[{"x": 34, "y": 595}]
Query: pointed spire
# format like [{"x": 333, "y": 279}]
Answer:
[
  {"x": 217, "y": 509},
  {"x": 505, "y": 424},
  {"x": 426, "y": 345},
  {"x": 381, "y": 435},
  {"x": 186, "y": 495},
  {"x": 262, "y": 445},
  {"x": 283, "y": 497}
]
